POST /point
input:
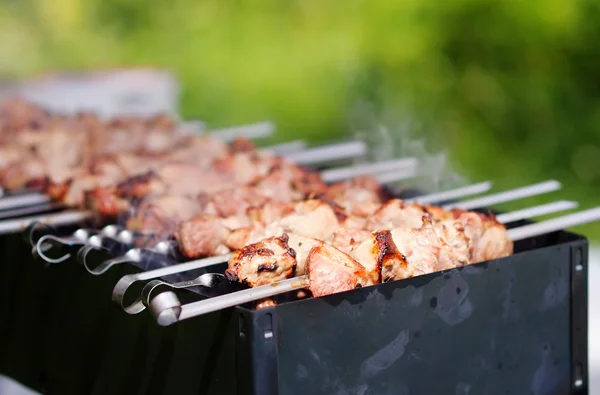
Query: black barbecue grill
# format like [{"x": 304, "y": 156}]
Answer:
[{"x": 509, "y": 326}]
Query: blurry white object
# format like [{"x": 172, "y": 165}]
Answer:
[
  {"x": 10, "y": 387},
  {"x": 108, "y": 93}
]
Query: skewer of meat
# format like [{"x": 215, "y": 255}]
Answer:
[
  {"x": 326, "y": 264},
  {"x": 352, "y": 206},
  {"x": 45, "y": 145},
  {"x": 123, "y": 285}
]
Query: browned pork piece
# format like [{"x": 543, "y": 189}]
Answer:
[
  {"x": 56, "y": 150},
  {"x": 262, "y": 263},
  {"x": 229, "y": 186},
  {"x": 360, "y": 196},
  {"x": 205, "y": 235},
  {"x": 271, "y": 260},
  {"x": 454, "y": 240},
  {"x": 121, "y": 177},
  {"x": 331, "y": 271},
  {"x": 161, "y": 215}
]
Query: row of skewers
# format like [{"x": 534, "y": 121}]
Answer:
[{"x": 277, "y": 225}]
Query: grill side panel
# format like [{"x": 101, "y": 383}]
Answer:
[{"x": 494, "y": 328}]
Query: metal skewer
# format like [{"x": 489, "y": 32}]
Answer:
[
  {"x": 63, "y": 218},
  {"x": 11, "y": 202},
  {"x": 251, "y": 131},
  {"x": 537, "y": 211},
  {"x": 507, "y": 196},
  {"x": 286, "y": 148},
  {"x": 118, "y": 294},
  {"x": 332, "y": 152},
  {"x": 81, "y": 237},
  {"x": 167, "y": 309},
  {"x": 28, "y": 210},
  {"x": 343, "y": 173},
  {"x": 555, "y": 224},
  {"x": 452, "y": 194}
]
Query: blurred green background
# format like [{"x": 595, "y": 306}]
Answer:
[{"x": 511, "y": 90}]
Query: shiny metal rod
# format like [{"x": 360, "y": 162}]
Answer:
[
  {"x": 507, "y": 196},
  {"x": 536, "y": 211},
  {"x": 555, "y": 224},
  {"x": 28, "y": 210},
  {"x": 11, "y": 202},
  {"x": 63, "y": 218},
  {"x": 327, "y": 153},
  {"x": 167, "y": 311},
  {"x": 251, "y": 131},
  {"x": 286, "y": 148},
  {"x": 452, "y": 194},
  {"x": 344, "y": 173}
]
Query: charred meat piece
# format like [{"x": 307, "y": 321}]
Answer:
[
  {"x": 380, "y": 256},
  {"x": 265, "y": 262},
  {"x": 331, "y": 271}
]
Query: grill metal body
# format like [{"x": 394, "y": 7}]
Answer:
[{"x": 513, "y": 325}]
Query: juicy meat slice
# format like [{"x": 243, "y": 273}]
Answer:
[
  {"x": 234, "y": 201},
  {"x": 18, "y": 174},
  {"x": 424, "y": 249},
  {"x": 360, "y": 196},
  {"x": 302, "y": 246},
  {"x": 238, "y": 238},
  {"x": 105, "y": 201},
  {"x": 312, "y": 218},
  {"x": 494, "y": 243},
  {"x": 397, "y": 214},
  {"x": 73, "y": 192},
  {"x": 380, "y": 256},
  {"x": 488, "y": 238},
  {"x": 266, "y": 262},
  {"x": 161, "y": 215},
  {"x": 453, "y": 233},
  {"x": 347, "y": 239},
  {"x": 331, "y": 271},
  {"x": 269, "y": 212},
  {"x": 421, "y": 248},
  {"x": 202, "y": 236}
]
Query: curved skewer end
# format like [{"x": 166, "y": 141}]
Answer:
[
  {"x": 82, "y": 257},
  {"x": 166, "y": 308},
  {"x": 40, "y": 249}
]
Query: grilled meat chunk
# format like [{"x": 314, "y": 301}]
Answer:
[
  {"x": 488, "y": 238},
  {"x": 262, "y": 263},
  {"x": 160, "y": 216},
  {"x": 202, "y": 236},
  {"x": 331, "y": 271},
  {"x": 347, "y": 239},
  {"x": 360, "y": 196},
  {"x": 396, "y": 214}
]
